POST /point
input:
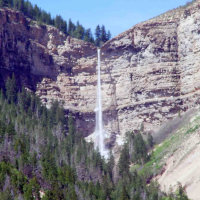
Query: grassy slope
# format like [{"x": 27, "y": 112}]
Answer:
[{"x": 168, "y": 147}]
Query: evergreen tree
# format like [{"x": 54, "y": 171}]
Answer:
[
  {"x": 140, "y": 149},
  {"x": 103, "y": 34},
  {"x": 10, "y": 3},
  {"x": 71, "y": 130},
  {"x": 150, "y": 140},
  {"x": 60, "y": 24},
  {"x": 124, "y": 161},
  {"x": 36, "y": 13},
  {"x": 6, "y": 195},
  {"x": 4, "y": 3},
  {"x": 79, "y": 32},
  {"x": 88, "y": 36},
  {"x": 28, "y": 9},
  {"x": 10, "y": 130},
  {"x": 98, "y": 35},
  {"x": 108, "y": 36},
  {"x": 21, "y": 5},
  {"x": 180, "y": 193},
  {"x": 1, "y": 3},
  {"x": 15, "y": 4},
  {"x": 11, "y": 89},
  {"x": 124, "y": 194},
  {"x": 71, "y": 27}
]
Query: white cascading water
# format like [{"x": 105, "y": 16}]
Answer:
[{"x": 99, "y": 130}]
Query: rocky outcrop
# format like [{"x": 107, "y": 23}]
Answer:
[
  {"x": 150, "y": 73},
  {"x": 37, "y": 50}
]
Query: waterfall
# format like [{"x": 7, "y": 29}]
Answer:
[{"x": 99, "y": 130}]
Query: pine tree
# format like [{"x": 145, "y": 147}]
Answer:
[
  {"x": 88, "y": 36},
  {"x": 11, "y": 89},
  {"x": 124, "y": 161},
  {"x": 79, "y": 32},
  {"x": 28, "y": 9},
  {"x": 180, "y": 193},
  {"x": 150, "y": 140},
  {"x": 71, "y": 130},
  {"x": 111, "y": 165},
  {"x": 140, "y": 149},
  {"x": 60, "y": 24},
  {"x": 98, "y": 35},
  {"x": 36, "y": 13},
  {"x": 72, "y": 194},
  {"x": 71, "y": 27},
  {"x": 58, "y": 21},
  {"x": 15, "y": 4},
  {"x": 10, "y": 3},
  {"x": 108, "y": 36},
  {"x": 21, "y": 5},
  {"x": 103, "y": 34},
  {"x": 124, "y": 194},
  {"x": 1, "y": 3}
]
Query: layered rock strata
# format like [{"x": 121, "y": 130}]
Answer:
[{"x": 150, "y": 73}]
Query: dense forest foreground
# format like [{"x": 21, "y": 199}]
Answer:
[{"x": 44, "y": 157}]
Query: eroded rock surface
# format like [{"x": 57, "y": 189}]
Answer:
[{"x": 150, "y": 73}]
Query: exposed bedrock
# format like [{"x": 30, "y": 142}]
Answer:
[{"x": 150, "y": 73}]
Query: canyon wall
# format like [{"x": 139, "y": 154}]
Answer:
[{"x": 150, "y": 73}]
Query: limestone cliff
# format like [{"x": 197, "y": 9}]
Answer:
[
  {"x": 37, "y": 50},
  {"x": 150, "y": 73}
]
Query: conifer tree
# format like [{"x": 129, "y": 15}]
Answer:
[
  {"x": 10, "y": 3},
  {"x": 124, "y": 194},
  {"x": 36, "y": 13},
  {"x": 60, "y": 24},
  {"x": 15, "y": 4},
  {"x": 124, "y": 161},
  {"x": 103, "y": 34},
  {"x": 21, "y": 5},
  {"x": 1, "y": 3},
  {"x": 98, "y": 35},
  {"x": 11, "y": 89},
  {"x": 108, "y": 36},
  {"x": 150, "y": 140},
  {"x": 140, "y": 149},
  {"x": 88, "y": 36},
  {"x": 71, "y": 27},
  {"x": 79, "y": 31}
]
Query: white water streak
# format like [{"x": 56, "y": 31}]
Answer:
[{"x": 99, "y": 131}]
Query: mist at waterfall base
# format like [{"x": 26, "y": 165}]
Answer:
[{"x": 99, "y": 129}]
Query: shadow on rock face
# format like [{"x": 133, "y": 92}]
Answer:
[
  {"x": 110, "y": 142},
  {"x": 23, "y": 79}
]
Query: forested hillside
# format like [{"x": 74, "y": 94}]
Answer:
[
  {"x": 44, "y": 157},
  {"x": 69, "y": 28}
]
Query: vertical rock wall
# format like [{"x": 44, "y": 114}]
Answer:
[{"x": 150, "y": 73}]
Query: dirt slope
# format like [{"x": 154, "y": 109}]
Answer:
[{"x": 182, "y": 161}]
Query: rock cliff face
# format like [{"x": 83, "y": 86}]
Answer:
[
  {"x": 150, "y": 73},
  {"x": 37, "y": 51}
]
